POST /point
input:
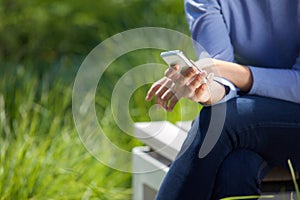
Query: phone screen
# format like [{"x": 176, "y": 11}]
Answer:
[{"x": 177, "y": 57}]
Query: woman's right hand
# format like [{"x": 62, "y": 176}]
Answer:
[{"x": 190, "y": 84}]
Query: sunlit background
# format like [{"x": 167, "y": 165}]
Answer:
[{"x": 42, "y": 45}]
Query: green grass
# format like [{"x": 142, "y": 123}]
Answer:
[
  {"x": 41, "y": 155},
  {"x": 249, "y": 197},
  {"x": 294, "y": 179}
]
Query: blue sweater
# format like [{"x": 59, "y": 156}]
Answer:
[{"x": 263, "y": 34}]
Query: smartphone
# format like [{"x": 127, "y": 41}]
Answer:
[{"x": 177, "y": 57}]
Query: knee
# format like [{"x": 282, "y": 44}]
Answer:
[
  {"x": 234, "y": 113},
  {"x": 224, "y": 122},
  {"x": 240, "y": 174}
]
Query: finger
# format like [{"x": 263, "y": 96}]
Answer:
[
  {"x": 161, "y": 103},
  {"x": 172, "y": 103},
  {"x": 171, "y": 71},
  {"x": 196, "y": 82},
  {"x": 160, "y": 92},
  {"x": 202, "y": 94},
  {"x": 168, "y": 95},
  {"x": 154, "y": 88},
  {"x": 164, "y": 104},
  {"x": 185, "y": 76},
  {"x": 158, "y": 103},
  {"x": 189, "y": 72},
  {"x": 205, "y": 77},
  {"x": 152, "y": 91},
  {"x": 200, "y": 90}
]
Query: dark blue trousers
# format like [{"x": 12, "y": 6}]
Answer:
[{"x": 246, "y": 138}]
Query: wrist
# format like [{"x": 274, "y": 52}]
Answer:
[
  {"x": 239, "y": 75},
  {"x": 230, "y": 90},
  {"x": 217, "y": 92}
]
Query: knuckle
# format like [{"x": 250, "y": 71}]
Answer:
[
  {"x": 189, "y": 72},
  {"x": 174, "y": 101},
  {"x": 165, "y": 97},
  {"x": 189, "y": 89},
  {"x": 197, "y": 81},
  {"x": 159, "y": 93},
  {"x": 167, "y": 72},
  {"x": 197, "y": 78}
]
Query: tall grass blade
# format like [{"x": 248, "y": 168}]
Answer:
[
  {"x": 249, "y": 197},
  {"x": 294, "y": 179}
]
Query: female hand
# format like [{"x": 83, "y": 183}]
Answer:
[{"x": 190, "y": 84}]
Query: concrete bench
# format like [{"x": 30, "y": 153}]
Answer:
[{"x": 163, "y": 141}]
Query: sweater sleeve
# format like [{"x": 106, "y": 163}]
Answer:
[
  {"x": 280, "y": 83},
  {"x": 208, "y": 28}
]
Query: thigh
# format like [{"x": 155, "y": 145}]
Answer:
[{"x": 267, "y": 126}]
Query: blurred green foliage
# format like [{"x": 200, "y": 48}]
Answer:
[
  {"x": 42, "y": 44},
  {"x": 41, "y": 155},
  {"x": 43, "y": 31}
]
